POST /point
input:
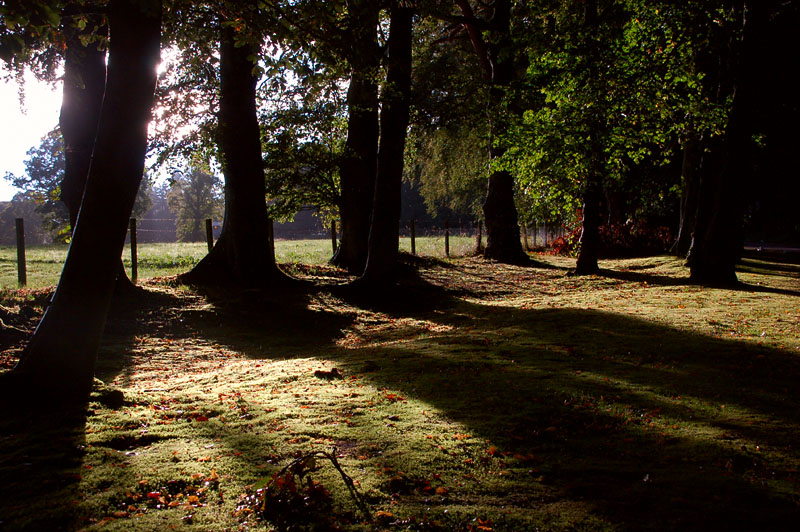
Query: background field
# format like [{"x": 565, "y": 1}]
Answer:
[{"x": 158, "y": 260}]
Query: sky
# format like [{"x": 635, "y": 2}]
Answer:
[{"x": 22, "y": 129}]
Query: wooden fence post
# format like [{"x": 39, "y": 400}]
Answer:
[
  {"x": 525, "y": 238},
  {"x": 333, "y": 236},
  {"x": 209, "y": 234},
  {"x": 271, "y": 237},
  {"x": 134, "y": 258},
  {"x": 413, "y": 238},
  {"x": 447, "y": 238},
  {"x": 22, "y": 272}
]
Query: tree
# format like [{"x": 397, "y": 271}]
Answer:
[
  {"x": 359, "y": 164},
  {"x": 84, "y": 84},
  {"x": 192, "y": 198},
  {"x": 448, "y": 139},
  {"x": 494, "y": 55},
  {"x": 243, "y": 252},
  {"x": 384, "y": 237},
  {"x": 586, "y": 262},
  {"x": 718, "y": 235},
  {"x": 59, "y": 358},
  {"x": 41, "y": 182},
  {"x": 303, "y": 144}
]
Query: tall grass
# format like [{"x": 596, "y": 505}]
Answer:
[{"x": 44, "y": 263}]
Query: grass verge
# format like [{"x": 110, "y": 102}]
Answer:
[{"x": 44, "y": 263}]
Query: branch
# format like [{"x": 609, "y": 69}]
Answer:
[
  {"x": 477, "y": 39},
  {"x": 478, "y": 23}
]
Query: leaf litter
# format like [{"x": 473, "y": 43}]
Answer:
[{"x": 491, "y": 398}]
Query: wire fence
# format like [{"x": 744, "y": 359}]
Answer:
[{"x": 423, "y": 238}]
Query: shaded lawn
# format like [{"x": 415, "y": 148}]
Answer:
[{"x": 481, "y": 397}]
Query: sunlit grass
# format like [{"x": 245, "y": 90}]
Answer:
[
  {"x": 503, "y": 397},
  {"x": 44, "y": 263}
]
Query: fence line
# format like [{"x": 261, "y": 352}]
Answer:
[{"x": 542, "y": 237}]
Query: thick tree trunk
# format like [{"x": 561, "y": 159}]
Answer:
[
  {"x": 242, "y": 254},
  {"x": 719, "y": 231},
  {"x": 503, "y": 242},
  {"x": 59, "y": 359},
  {"x": 586, "y": 263},
  {"x": 499, "y": 210},
  {"x": 690, "y": 188},
  {"x": 359, "y": 165},
  {"x": 84, "y": 84},
  {"x": 384, "y": 236}
]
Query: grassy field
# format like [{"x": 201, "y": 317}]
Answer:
[
  {"x": 479, "y": 397},
  {"x": 158, "y": 260}
]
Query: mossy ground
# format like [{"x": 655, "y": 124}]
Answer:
[{"x": 478, "y": 397}]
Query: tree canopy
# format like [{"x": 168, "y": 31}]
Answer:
[{"x": 615, "y": 118}]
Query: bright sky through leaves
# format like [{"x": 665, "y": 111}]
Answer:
[{"x": 20, "y": 131}]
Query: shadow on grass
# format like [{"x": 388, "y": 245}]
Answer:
[
  {"x": 773, "y": 267},
  {"x": 621, "y": 413},
  {"x": 666, "y": 280},
  {"x": 618, "y": 413},
  {"x": 40, "y": 467},
  {"x": 534, "y": 382}
]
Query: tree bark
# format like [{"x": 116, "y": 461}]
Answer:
[
  {"x": 358, "y": 167},
  {"x": 593, "y": 187},
  {"x": 499, "y": 210},
  {"x": 242, "y": 252},
  {"x": 384, "y": 236},
  {"x": 502, "y": 228},
  {"x": 586, "y": 264},
  {"x": 84, "y": 85},
  {"x": 59, "y": 359},
  {"x": 690, "y": 189},
  {"x": 719, "y": 232}
]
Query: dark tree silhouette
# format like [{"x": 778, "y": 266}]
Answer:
[
  {"x": 499, "y": 211},
  {"x": 60, "y": 357},
  {"x": 586, "y": 262},
  {"x": 358, "y": 166},
  {"x": 84, "y": 84},
  {"x": 718, "y": 236},
  {"x": 384, "y": 237},
  {"x": 243, "y": 253}
]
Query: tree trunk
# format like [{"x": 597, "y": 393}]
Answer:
[
  {"x": 593, "y": 187},
  {"x": 499, "y": 210},
  {"x": 586, "y": 263},
  {"x": 242, "y": 252},
  {"x": 719, "y": 232},
  {"x": 384, "y": 236},
  {"x": 359, "y": 165},
  {"x": 690, "y": 189},
  {"x": 502, "y": 228},
  {"x": 84, "y": 84},
  {"x": 59, "y": 359}
]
